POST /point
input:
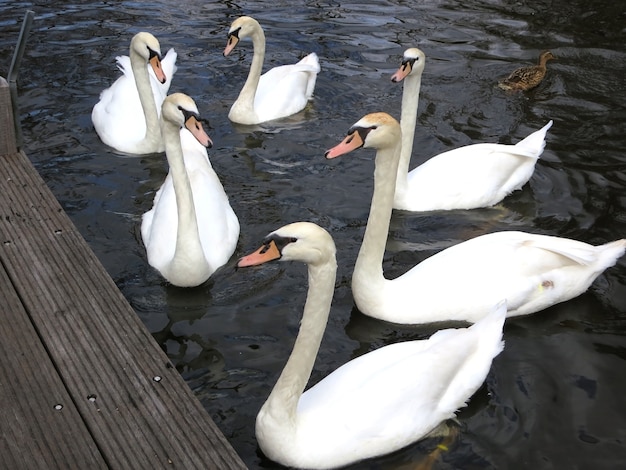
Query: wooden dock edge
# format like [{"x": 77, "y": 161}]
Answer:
[{"x": 83, "y": 384}]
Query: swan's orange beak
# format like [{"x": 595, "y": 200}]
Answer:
[
  {"x": 196, "y": 128},
  {"x": 351, "y": 142},
  {"x": 268, "y": 252},
  {"x": 402, "y": 72},
  {"x": 230, "y": 45},
  {"x": 155, "y": 62}
]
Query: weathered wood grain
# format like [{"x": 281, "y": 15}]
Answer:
[
  {"x": 40, "y": 427},
  {"x": 7, "y": 129}
]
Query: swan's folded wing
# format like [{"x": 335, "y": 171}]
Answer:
[
  {"x": 476, "y": 175},
  {"x": 118, "y": 114},
  {"x": 123, "y": 63},
  {"x": 389, "y": 397},
  {"x": 372, "y": 388},
  {"x": 536, "y": 141},
  {"x": 287, "y": 87},
  {"x": 311, "y": 61},
  {"x": 573, "y": 250}
]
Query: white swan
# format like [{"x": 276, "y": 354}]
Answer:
[
  {"x": 127, "y": 115},
  {"x": 191, "y": 229},
  {"x": 377, "y": 403},
  {"x": 478, "y": 175},
  {"x": 279, "y": 92},
  {"x": 531, "y": 272}
]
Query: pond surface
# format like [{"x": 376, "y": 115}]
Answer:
[{"x": 555, "y": 396}]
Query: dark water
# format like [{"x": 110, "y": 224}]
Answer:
[{"x": 555, "y": 397}]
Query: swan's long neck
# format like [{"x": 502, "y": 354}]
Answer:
[
  {"x": 188, "y": 245},
  {"x": 408, "y": 120},
  {"x": 283, "y": 401},
  {"x": 142, "y": 81},
  {"x": 368, "y": 270},
  {"x": 248, "y": 92}
]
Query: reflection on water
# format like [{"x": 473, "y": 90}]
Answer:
[{"x": 554, "y": 397}]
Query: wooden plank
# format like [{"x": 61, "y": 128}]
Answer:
[
  {"x": 34, "y": 399},
  {"x": 119, "y": 374},
  {"x": 7, "y": 129},
  {"x": 138, "y": 408}
]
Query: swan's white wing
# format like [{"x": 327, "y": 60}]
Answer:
[
  {"x": 218, "y": 224},
  {"x": 286, "y": 89},
  {"x": 478, "y": 175},
  {"x": 118, "y": 117},
  {"x": 531, "y": 271},
  {"x": 159, "y": 226},
  {"x": 118, "y": 114},
  {"x": 536, "y": 141},
  {"x": 396, "y": 394}
]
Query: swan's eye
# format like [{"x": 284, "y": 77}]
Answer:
[
  {"x": 408, "y": 63},
  {"x": 152, "y": 54},
  {"x": 361, "y": 131},
  {"x": 189, "y": 115},
  {"x": 233, "y": 34},
  {"x": 280, "y": 242}
]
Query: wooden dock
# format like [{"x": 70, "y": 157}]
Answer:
[{"x": 82, "y": 382}]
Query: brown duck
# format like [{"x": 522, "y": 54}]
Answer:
[{"x": 526, "y": 78}]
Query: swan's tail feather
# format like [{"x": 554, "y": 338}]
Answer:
[
  {"x": 536, "y": 141},
  {"x": 311, "y": 64},
  {"x": 169, "y": 63},
  {"x": 487, "y": 344},
  {"x": 493, "y": 322},
  {"x": 311, "y": 61},
  {"x": 123, "y": 63},
  {"x": 603, "y": 256},
  {"x": 610, "y": 253}
]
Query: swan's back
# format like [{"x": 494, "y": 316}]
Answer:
[
  {"x": 531, "y": 271},
  {"x": 465, "y": 178},
  {"x": 478, "y": 175},
  {"x": 393, "y": 396},
  {"x": 118, "y": 117},
  {"x": 286, "y": 89}
]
